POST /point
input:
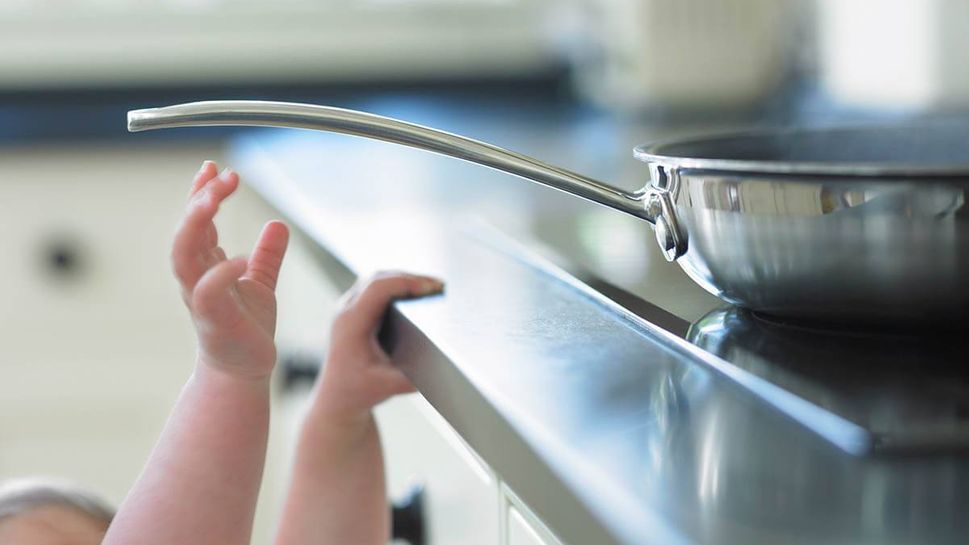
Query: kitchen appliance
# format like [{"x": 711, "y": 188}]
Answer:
[
  {"x": 849, "y": 224},
  {"x": 868, "y": 391}
]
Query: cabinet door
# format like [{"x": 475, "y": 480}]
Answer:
[
  {"x": 462, "y": 498},
  {"x": 96, "y": 341}
]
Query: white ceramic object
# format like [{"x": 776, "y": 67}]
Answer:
[
  {"x": 683, "y": 54},
  {"x": 898, "y": 54}
]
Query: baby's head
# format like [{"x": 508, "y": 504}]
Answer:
[{"x": 44, "y": 512}]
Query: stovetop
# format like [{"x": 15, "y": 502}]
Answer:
[{"x": 869, "y": 391}]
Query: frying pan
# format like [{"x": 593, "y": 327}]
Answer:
[{"x": 864, "y": 224}]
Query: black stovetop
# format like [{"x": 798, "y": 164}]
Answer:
[{"x": 881, "y": 391}]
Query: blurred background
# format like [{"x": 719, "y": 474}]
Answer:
[{"x": 95, "y": 344}]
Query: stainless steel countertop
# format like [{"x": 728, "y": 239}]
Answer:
[{"x": 612, "y": 431}]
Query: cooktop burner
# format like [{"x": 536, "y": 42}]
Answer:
[
  {"x": 908, "y": 391},
  {"x": 868, "y": 391}
]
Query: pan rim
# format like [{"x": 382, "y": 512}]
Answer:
[{"x": 657, "y": 152}]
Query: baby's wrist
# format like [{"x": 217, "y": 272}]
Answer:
[
  {"x": 342, "y": 427},
  {"x": 214, "y": 369},
  {"x": 219, "y": 388},
  {"x": 329, "y": 408}
]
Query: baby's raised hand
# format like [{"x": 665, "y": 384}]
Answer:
[
  {"x": 358, "y": 373},
  {"x": 232, "y": 301}
]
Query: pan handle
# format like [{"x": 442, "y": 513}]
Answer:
[{"x": 325, "y": 118}]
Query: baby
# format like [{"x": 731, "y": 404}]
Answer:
[
  {"x": 202, "y": 479},
  {"x": 44, "y": 512}
]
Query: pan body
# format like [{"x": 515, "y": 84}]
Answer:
[
  {"x": 826, "y": 247},
  {"x": 855, "y": 224}
]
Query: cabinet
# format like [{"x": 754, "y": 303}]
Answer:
[
  {"x": 96, "y": 341},
  {"x": 461, "y": 491},
  {"x": 466, "y": 501}
]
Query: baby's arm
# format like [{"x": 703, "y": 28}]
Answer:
[
  {"x": 337, "y": 495},
  {"x": 202, "y": 479}
]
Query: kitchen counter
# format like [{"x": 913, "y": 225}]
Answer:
[{"x": 612, "y": 430}]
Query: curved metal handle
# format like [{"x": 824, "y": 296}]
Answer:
[{"x": 325, "y": 118}]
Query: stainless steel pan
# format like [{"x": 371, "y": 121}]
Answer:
[{"x": 839, "y": 225}]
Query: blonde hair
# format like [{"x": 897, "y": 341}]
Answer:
[{"x": 21, "y": 495}]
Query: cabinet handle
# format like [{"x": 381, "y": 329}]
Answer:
[
  {"x": 408, "y": 517},
  {"x": 298, "y": 368},
  {"x": 64, "y": 256}
]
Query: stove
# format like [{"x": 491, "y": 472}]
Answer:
[{"x": 871, "y": 392}]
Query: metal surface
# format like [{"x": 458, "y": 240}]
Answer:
[
  {"x": 827, "y": 248},
  {"x": 870, "y": 391},
  {"x": 909, "y": 392},
  {"x": 612, "y": 432},
  {"x": 833, "y": 246}
]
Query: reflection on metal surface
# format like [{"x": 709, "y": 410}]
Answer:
[
  {"x": 907, "y": 390},
  {"x": 708, "y": 479},
  {"x": 625, "y": 248}
]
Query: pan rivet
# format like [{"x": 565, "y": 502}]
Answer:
[{"x": 664, "y": 236}]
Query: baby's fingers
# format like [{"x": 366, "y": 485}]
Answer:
[
  {"x": 213, "y": 300},
  {"x": 195, "y": 236},
  {"x": 367, "y": 306},
  {"x": 204, "y": 203},
  {"x": 267, "y": 257},
  {"x": 208, "y": 171},
  {"x": 390, "y": 381}
]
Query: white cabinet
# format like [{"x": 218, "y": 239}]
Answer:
[
  {"x": 95, "y": 348},
  {"x": 467, "y": 502},
  {"x": 461, "y": 490}
]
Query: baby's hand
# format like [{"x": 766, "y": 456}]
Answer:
[
  {"x": 358, "y": 373},
  {"x": 232, "y": 301}
]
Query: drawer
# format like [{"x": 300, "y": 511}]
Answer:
[{"x": 86, "y": 246}]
